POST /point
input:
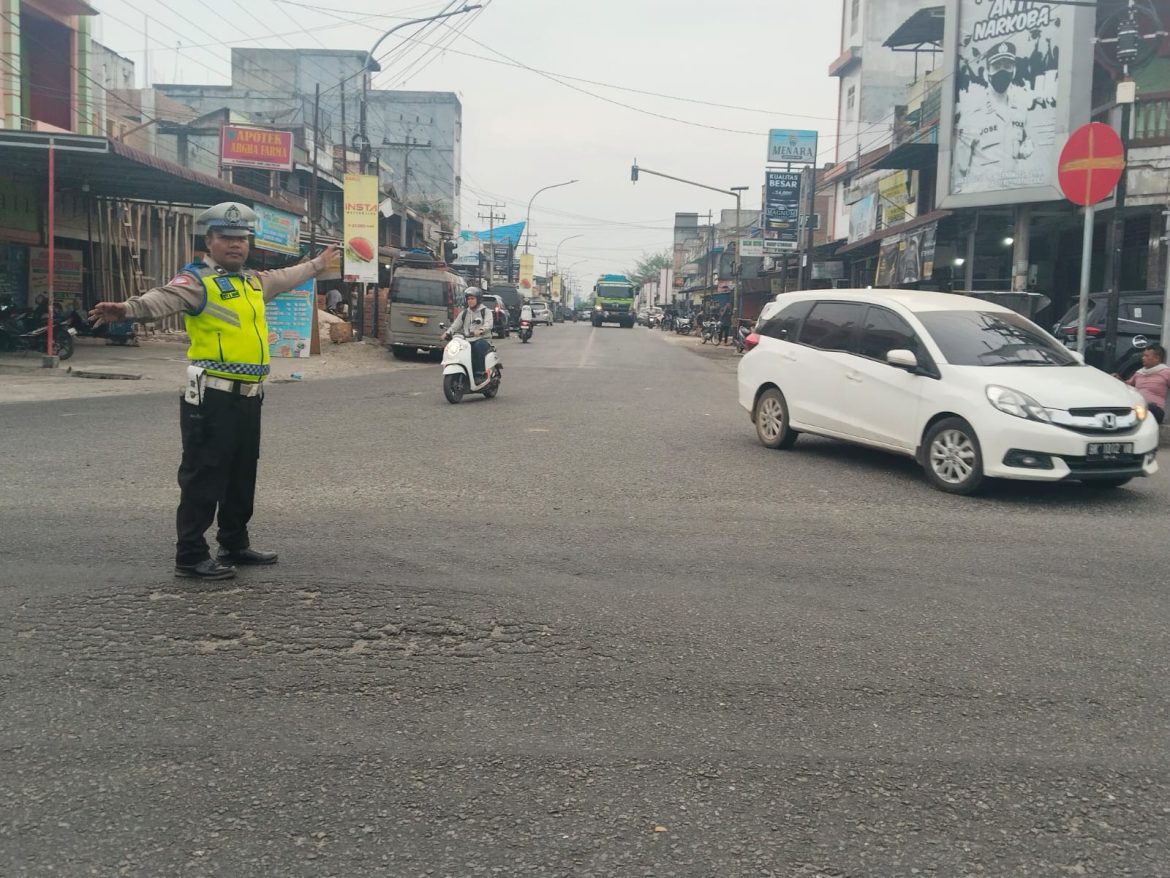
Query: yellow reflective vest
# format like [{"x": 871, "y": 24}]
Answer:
[{"x": 229, "y": 335}]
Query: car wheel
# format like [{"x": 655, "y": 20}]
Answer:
[
  {"x": 402, "y": 352},
  {"x": 771, "y": 417},
  {"x": 953, "y": 459},
  {"x": 1108, "y": 484}
]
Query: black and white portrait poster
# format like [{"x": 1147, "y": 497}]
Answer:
[{"x": 1007, "y": 87}]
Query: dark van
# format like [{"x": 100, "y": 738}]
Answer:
[{"x": 421, "y": 299}]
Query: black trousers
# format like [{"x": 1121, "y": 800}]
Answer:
[
  {"x": 221, "y": 448},
  {"x": 724, "y": 332}
]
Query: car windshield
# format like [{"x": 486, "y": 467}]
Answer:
[
  {"x": 993, "y": 338},
  {"x": 412, "y": 291}
]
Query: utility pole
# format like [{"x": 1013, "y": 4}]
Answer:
[
  {"x": 1128, "y": 40},
  {"x": 344, "y": 142},
  {"x": 314, "y": 206},
  {"x": 491, "y": 218},
  {"x": 548, "y": 261},
  {"x": 408, "y": 144}
]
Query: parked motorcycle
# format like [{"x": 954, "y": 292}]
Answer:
[
  {"x": 525, "y": 332},
  {"x": 711, "y": 331},
  {"x": 683, "y": 324},
  {"x": 458, "y": 378},
  {"x": 21, "y": 331},
  {"x": 120, "y": 333}
]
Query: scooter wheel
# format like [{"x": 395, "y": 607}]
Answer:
[{"x": 454, "y": 386}]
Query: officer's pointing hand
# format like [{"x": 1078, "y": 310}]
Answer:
[
  {"x": 107, "y": 312},
  {"x": 329, "y": 255}
]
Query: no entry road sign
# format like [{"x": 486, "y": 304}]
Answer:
[{"x": 1091, "y": 163}]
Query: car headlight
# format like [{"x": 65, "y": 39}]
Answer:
[
  {"x": 1140, "y": 412},
  {"x": 1020, "y": 405}
]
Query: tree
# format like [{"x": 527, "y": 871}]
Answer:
[{"x": 648, "y": 268}]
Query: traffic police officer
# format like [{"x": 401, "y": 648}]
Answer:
[{"x": 223, "y": 307}]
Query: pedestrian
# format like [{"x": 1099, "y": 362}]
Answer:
[
  {"x": 725, "y": 323},
  {"x": 1152, "y": 380},
  {"x": 219, "y": 412}
]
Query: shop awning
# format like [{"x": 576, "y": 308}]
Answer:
[
  {"x": 909, "y": 157},
  {"x": 890, "y": 231},
  {"x": 113, "y": 170},
  {"x": 922, "y": 29}
]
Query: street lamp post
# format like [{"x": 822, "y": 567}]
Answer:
[
  {"x": 528, "y": 216},
  {"x": 557, "y": 262},
  {"x": 734, "y": 191},
  {"x": 371, "y": 65}
]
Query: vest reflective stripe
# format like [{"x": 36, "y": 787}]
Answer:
[{"x": 229, "y": 335}]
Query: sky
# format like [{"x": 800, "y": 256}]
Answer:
[{"x": 741, "y": 67}]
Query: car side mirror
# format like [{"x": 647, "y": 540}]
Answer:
[{"x": 902, "y": 359}]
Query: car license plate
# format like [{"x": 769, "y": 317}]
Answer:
[
  {"x": 1108, "y": 450},
  {"x": 420, "y": 321}
]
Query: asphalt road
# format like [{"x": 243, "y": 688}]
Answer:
[{"x": 588, "y": 628}]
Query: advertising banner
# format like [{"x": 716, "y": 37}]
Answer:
[
  {"x": 69, "y": 266},
  {"x": 527, "y": 274},
  {"x": 751, "y": 248},
  {"x": 898, "y": 196},
  {"x": 863, "y": 218},
  {"x": 361, "y": 228},
  {"x": 787, "y": 145},
  {"x": 907, "y": 258},
  {"x": 277, "y": 231},
  {"x": 556, "y": 287},
  {"x": 782, "y": 206},
  {"x": 290, "y": 321},
  {"x": 1021, "y": 83},
  {"x": 262, "y": 148}
]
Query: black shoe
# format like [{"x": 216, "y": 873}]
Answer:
[
  {"x": 246, "y": 557},
  {"x": 206, "y": 569}
]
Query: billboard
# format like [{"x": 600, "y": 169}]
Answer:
[
  {"x": 788, "y": 145},
  {"x": 277, "y": 231},
  {"x": 263, "y": 148},
  {"x": 1021, "y": 83},
  {"x": 782, "y": 206},
  {"x": 361, "y": 228}
]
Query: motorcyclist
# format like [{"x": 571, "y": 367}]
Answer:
[
  {"x": 475, "y": 324},
  {"x": 526, "y": 314}
]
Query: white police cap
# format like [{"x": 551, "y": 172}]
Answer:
[{"x": 229, "y": 218}]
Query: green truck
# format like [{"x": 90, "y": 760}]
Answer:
[{"x": 613, "y": 300}]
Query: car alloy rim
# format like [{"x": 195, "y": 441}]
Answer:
[
  {"x": 771, "y": 418},
  {"x": 952, "y": 456}
]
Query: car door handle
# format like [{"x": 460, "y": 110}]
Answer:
[{"x": 853, "y": 376}]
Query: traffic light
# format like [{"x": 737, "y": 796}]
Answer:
[
  {"x": 449, "y": 251},
  {"x": 634, "y": 172}
]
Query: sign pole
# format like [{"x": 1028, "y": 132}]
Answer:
[
  {"x": 1086, "y": 269},
  {"x": 1166, "y": 301}
]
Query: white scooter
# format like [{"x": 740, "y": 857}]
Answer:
[{"x": 457, "y": 376}]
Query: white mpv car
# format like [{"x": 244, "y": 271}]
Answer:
[{"x": 967, "y": 388}]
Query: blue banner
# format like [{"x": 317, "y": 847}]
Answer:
[
  {"x": 502, "y": 234},
  {"x": 290, "y": 321}
]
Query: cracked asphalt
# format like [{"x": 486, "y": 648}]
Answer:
[{"x": 588, "y": 628}]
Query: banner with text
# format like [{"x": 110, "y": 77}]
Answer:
[
  {"x": 277, "y": 231},
  {"x": 361, "y": 228},
  {"x": 68, "y": 269},
  {"x": 527, "y": 274},
  {"x": 782, "y": 206},
  {"x": 290, "y": 321}
]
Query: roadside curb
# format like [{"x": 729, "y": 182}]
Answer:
[{"x": 1164, "y": 442}]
